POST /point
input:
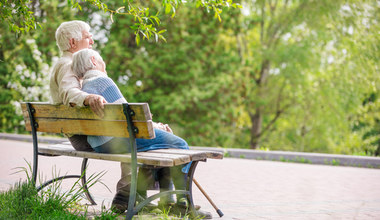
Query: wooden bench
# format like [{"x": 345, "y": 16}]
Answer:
[{"x": 131, "y": 120}]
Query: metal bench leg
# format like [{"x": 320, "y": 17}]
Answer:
[
  {"x": 84, "y": 182},
  {"x": 132, "y": 192},
  {"x": 82, "y": 177},
  {"x": 56, "y": 179},
  {"x": 128, "y": 112},
  {"x": 189, "y": 186},
  {"x": 34, "y": 125}
]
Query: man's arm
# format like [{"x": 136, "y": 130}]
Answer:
[
  {"x": 71, "y": 94},
  {"x": 69, "y": 87}
]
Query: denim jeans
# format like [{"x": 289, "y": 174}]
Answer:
[{"x": 163, "y": 140}]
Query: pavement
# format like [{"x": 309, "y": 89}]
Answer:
[{"x": 241, "y": 188}]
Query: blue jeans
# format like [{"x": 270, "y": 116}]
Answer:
[{"x": 163, "y": 140}]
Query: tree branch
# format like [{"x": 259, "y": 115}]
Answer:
[
  {"x": 279, "y": 111},
  {"x": 262, "y": 23}
]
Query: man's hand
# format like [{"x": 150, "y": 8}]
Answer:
[{"x": 96, "y": 103}]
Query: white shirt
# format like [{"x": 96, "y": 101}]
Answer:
[{"x": 65, "y": 86}]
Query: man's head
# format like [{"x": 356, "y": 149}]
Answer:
[
  {"x": 73, "y": 36},
  {"x": 85, "y": 60}
]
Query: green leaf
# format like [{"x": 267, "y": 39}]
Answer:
[
  {"x": 137, "y": 39},
  {"x": 167, "y": 8}
]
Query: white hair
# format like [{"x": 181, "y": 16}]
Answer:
[
  {"x": 82, "y": 61},
  {"x": 69, "y": 30}
]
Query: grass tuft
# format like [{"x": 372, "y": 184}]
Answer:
[{"x": 23, "y": 201}]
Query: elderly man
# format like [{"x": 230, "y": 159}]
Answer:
[{"x": 65, "y": 87}]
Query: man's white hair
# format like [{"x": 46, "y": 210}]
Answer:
[
  {"x": 82, "y": 61},
  {"x": 69, "y": 30}
]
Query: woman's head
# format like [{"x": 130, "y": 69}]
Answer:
[{"x": 85, "y": 60}]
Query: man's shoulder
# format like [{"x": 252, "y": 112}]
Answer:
[{"x": 62, "y": 63}]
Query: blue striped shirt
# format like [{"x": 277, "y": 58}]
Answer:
[{"x": 96, "y": 82}]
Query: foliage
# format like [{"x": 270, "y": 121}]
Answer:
[
  {"x": 18, "y": 15},
  {"x": 280, "y": 75},
  {"x": 296, "y": 78},
  {"x": 181, "y": 83},
  {"x": 21, "y": 17}
]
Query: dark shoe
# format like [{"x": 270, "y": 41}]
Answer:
[
  {"x": 203, "y": 214},
  {"x": 119, "y": 203},
  {"x": 183, "y": 210},
  {"x": 182, "y": 202}
]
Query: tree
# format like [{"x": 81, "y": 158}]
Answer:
[
  {"x": 26, "y": 61},
  {"x": 22, "y": 18},
  {"x": 182, "y": 79},
  {"x": 281, "y": 53},
  {"x": 283, "y": 75}
]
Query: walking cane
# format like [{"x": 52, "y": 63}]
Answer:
[{"x": 220, "y": 213}]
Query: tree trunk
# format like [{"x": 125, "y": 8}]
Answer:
[{"x": 256, "y": 120}]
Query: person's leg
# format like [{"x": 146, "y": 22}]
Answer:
[
  {"x": 165, "y": 181},
  {"x": 165, "y": 139},
  {"x": 121, "y": 198},
  {"x": 79, "y": 142},
  {"x": 178, "y": 173},
  {"x": 144, "y": 180},
  {"x": 162, "y": 140}
]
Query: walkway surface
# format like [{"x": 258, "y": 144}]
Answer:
[{"x": 241, "y": 188}]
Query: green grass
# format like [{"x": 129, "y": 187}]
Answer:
[{"x": 22, "y": 201}]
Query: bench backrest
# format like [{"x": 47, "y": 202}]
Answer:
[{"x": 72, "y": 120}]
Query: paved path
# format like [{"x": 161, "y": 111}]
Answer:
[{"x": 243, "y": 189}]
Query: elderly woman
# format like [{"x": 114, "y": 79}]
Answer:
[{"x": 89, "y": 65}]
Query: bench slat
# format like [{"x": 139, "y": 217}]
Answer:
[
  {"x": 194, "y": 154},
  {"x": 111, "y": 111},
  {"x": 178, "y": 159},
  {"x": 66, "y": 151},
  {"x": 92, "y": 127}
]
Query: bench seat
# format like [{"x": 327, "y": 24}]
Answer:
[{"x": 159, "y": 158}]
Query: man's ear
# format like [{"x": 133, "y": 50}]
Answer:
[
  {"x": 72, "y": 43},
  {"x": 93, "y": 60}
]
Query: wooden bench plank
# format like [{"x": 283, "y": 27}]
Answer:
[
  {"x": 64, "y": 150},
  {"x": 194, "y": 154},
  {"x": 92, "y": 127},
  {"x": 178, "y": 159},
  {"x": 214, "y": 154},
  {"x": 111, "y": 111}
]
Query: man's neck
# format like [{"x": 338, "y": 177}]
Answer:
[{"x": 67, "y": 54}]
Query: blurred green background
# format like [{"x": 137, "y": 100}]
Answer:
[{"x": 293, "y": 75}]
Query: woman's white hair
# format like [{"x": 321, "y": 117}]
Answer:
[
  {"x": 69, "y": 30},
  {"x": 82, "y": 61}
]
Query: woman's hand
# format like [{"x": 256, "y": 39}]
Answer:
[{"x": 161, "y": 126}]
